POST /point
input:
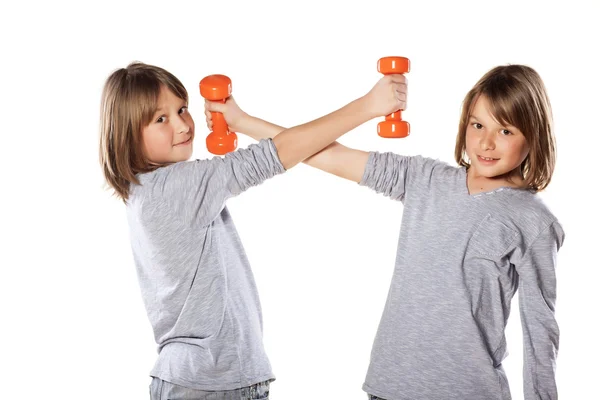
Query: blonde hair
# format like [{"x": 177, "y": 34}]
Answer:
[
  {"x": 129, "y": 101},
  {"x": 517, "y": 97}
]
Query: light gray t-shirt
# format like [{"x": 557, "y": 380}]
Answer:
[
  {"x": 460, "y": 260},
  {"x": 196, "y": 282}
]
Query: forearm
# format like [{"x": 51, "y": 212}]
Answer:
[
  {"x": 335, "y": 159},
  {"x": 340, "y": 161},
  {"x": 298, "y": 143},
  {"x": 541, "y": 337},
  {"x": 259, "y": 129}
]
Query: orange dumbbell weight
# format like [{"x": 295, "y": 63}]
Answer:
[
  {"x": 218, "y": 88},
  {"x": 393, "y": 126}
]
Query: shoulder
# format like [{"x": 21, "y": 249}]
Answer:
[
  {"x": 417, "y": 163},
  {"x": 158, "y": 197},
  {"x": 158, "y": 190},
  {"x": 532, "y": 217},
  {"x": 531, "y": 206},
  {"x": 434, "y": 164},
  {"x": 433, "y": 170},
  {"x": 174, "y": 178}
]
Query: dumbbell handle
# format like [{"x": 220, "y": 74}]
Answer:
[
  {"x": 220, "y": 127},
  {"x": 395, "y": 116}
]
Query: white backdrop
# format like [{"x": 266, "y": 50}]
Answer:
[{"x": 322, "y": 249}]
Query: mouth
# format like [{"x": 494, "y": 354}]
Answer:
[
  {"x": 184, "y": 143},
  {"x": 486, "y": 160}
]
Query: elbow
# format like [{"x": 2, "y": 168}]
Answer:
[{"x": 285, "y": 150}]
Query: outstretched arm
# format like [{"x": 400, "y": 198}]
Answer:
[{"x": 335, "y": 159}]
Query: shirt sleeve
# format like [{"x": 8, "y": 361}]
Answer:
[
  {"x": 197, "y": 190},
  {"x": 386, "y": 173},
  {"x": 394, "y": 175},
  {"x": 537, "y": 298}
]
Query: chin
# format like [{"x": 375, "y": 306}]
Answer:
[{"x": 486, "y": 172}]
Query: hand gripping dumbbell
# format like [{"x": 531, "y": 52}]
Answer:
[
  {"x": 218, "y": 88},
  {"x": 393, "y": 126}
]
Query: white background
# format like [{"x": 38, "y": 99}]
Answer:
[{"x": 322, "y": 249}]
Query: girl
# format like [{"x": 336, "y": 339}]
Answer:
[
  {"x": 195, "y": 279},
  {"x": 470, "y": 235}
]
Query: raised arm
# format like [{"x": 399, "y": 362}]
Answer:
[{"x": 335, "y": 159}]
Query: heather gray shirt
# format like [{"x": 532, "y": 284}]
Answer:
[
  {"x": 195, "y": 279},
  {"x": 460, "y": 260}
]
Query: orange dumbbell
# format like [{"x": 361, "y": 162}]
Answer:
[
  {"x": 218, "y": 88},
  {"x": 393, "y": 126}
]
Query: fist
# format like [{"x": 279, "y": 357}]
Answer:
[
  {"x": 232, "y": 113},
  {"x": 388, "y": 95}
]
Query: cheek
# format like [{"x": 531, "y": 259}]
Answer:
[
  {"x": 155, "y": 142},
  {"x": 190, "y": 122},
  {"x": 524, "y": 151},
  {"x": 518, "y": 149},
  {"x": 470, "y": 140}
]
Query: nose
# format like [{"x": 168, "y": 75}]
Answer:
[
  {"x": 181, "y": 125},
  {"x": 487, "y": 141}
]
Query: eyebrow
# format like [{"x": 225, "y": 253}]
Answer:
[
  {"x": 162, "y": 108},
  {"x": 499, "y": 123},
  {"x": 158, "y": 111}
]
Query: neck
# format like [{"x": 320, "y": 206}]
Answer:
[{"x": 481, "y": 183}]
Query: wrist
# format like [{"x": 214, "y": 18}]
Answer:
[
  {"x": 242, "y": 123},
  {"x": 363, "y": 106}
]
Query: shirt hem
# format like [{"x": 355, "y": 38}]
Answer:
[
  {"x": 383, "y": 395},
  {"x": 231, "y": 385}
]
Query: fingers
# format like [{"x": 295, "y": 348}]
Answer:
[
  {"x": 400, "y": 87},
  {"x": 397, "y": 78},
  {"x": 398, "y": 93},
  {"x": 210, "y": 107},
  {"x": 214, "y": 106},
  {"x": 398, "y": 82},
  {"x": 400, "y": 90},
  {"x": 402, "y": 97},
  {"x": 400, "y": 104},
  {"x": 208, "y": 116}
]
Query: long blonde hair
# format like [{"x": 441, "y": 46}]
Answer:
[
  {"x": 517, "y": 97},
  {"x": 129, "y": 101}
]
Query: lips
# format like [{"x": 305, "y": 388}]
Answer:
[
  {"x": 487, "y": 158},
  {"x": 184, "y": 142}
]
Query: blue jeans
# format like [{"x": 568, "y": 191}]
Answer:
[{"x": 163, "y": 390}]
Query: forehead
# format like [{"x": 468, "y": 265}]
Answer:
[
  {"x": 481, "y": 108},
  {"x": 167, "y": 98}
]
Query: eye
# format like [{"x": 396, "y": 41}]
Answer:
[
  {"x": 477, "y": 125},
  {"x": 183, "y": 110},
  {"x": 160, "y": 119},
  {"x": 505, "y": 132}
]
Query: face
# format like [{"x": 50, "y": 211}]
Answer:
[
  {"x": 495, "y": 150},
  {"x": 169, "y": 136}
]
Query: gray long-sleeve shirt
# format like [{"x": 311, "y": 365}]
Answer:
[
  {"x": 195, "y": 279},
  {"x": 460, "y": 260}
]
